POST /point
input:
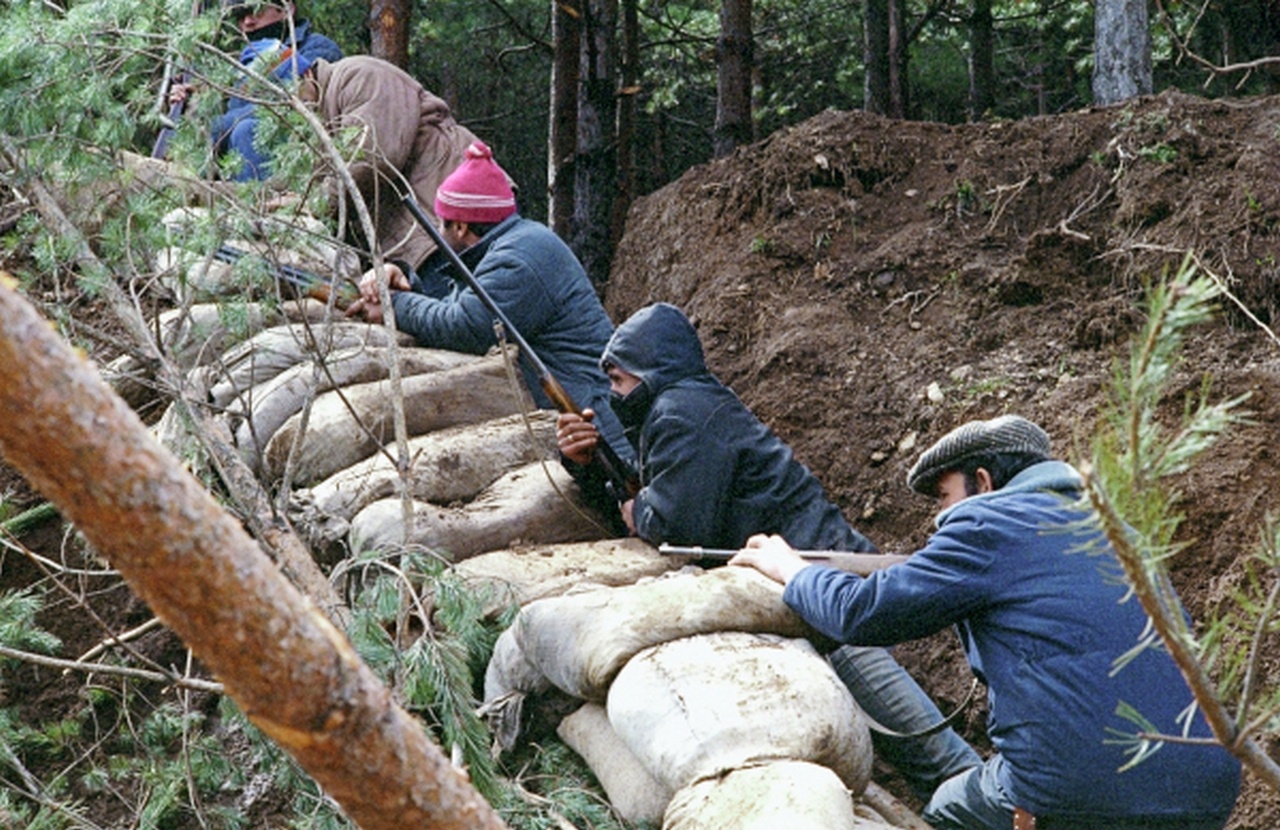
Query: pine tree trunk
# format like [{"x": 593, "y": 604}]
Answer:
[
  {"x": 285, "y": 665},
  {"x": 733, "y": 79},
  {"x": 596, "y": 179},
  {"x": 389, "y": 30},
  {"x": 982, "y": 73},
  {"x": 566, "y": 36},
  {"x": 630, "y": 75},
  {"x": 1122, "y": 51},
  {"x": 875, "y": 52}
]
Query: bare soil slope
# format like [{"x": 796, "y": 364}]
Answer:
[{"x": 840, "y": 268}]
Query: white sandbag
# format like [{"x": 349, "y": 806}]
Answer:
[
  {"x": 258, "y": 413},
  {"x": 448, "y": 465},
  {"x": 270, "y": 352},
  {"x": 347, "y": 428},
  {"x": 783, "y": 795},
  {"x": 509, "y": 673},
  {"x": 536, "y": 503},
  {"x": 506, "y": 578},
  {"x": 632, "y": 792},
  {"x": 581, "y": 641},
  {"x": 701, "y": 706},
  {"x": 188, "y": 337},
  {"x": 303, "y": 242}
]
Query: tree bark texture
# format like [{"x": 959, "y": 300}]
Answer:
[
  {"x": 389, "y": 31},
  {"x": 292, "y": 673},
  {"x": 982, "y": 70},
  {"x": 1121, "y": 51},
  {"x": 596, "y": 168},
  {"x": 875, "y": 55},
  {"x": 733, "y": 78},
  {"x": 566, "y": 37},
  {"x": 629, "y": 70}
]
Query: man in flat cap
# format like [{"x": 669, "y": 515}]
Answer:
[{"x": 1044, "y": 625}]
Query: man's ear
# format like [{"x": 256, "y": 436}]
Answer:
[{"x": 983, "y": 477}]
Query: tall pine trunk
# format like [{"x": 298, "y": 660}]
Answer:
[
  {"x": 596, "y": 174},
  {"x": 389, "y": 30},
  {"x": 734, "y": 58},
  {"x": 566, "y": 37},
  {"x": 982, "y": 71},
  {"x": 1122, "y": 51},
  {"x": 875, "y": 56}
]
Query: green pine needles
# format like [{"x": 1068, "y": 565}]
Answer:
[{"x": 1136, "y": 453}]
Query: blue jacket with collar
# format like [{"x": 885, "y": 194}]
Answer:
[
  {"x": 535, "y": 279},
  {"x": 1040, "y": 605}
]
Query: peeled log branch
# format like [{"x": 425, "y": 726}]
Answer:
[{"x": 286, "y": 666}]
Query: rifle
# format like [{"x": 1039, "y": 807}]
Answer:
[
  {"x": 623, "y": 482},
  {"x": 862, "y": 564},
  {"x": 304, "y": 282},
  {"x": 169, "y": 121}
]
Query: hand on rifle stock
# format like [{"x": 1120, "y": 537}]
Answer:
[
  {"x": 577, "y": 436},
  {"x": 771, "y": 556}
]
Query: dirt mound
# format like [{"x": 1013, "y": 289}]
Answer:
[{"x": 842, "y": 267}]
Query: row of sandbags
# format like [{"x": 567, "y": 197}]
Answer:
[
  {"x": 703, "y": 705},
  {"x": 309, "y": 400}
]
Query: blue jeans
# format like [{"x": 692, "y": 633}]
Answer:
[
  {"x": 974, "y": 800},
  {"x": 890, "y": 696},
  {"x": 233, "y": 131}
]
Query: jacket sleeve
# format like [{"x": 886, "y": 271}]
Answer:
[
  {"x": 460, "y": 321},
  {"x": 943, "y": 583},
  {"x": 687, "y": 478}
]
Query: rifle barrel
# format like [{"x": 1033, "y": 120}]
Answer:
[
  {"x": 613, "y": 465},
  {"x": 858, "y": 563}
]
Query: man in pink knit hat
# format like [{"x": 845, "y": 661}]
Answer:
[{"x": 528, "y": 271}]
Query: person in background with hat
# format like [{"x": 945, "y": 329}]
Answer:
[
  {"x": 277, "y": 46},
  {"x": 526, "y": 269},
  {"x": 712, "y": 475},
  {"x": 1038, "y": 600}
]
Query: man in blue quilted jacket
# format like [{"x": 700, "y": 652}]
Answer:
[
  {"x": 528, "y": 272},
  {"x": 1039, "y": 602}
]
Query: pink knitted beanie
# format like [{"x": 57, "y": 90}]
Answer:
[{"x": 478, "y": 191}]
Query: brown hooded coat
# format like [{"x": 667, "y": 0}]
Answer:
[{"x": 407, "y": 134}]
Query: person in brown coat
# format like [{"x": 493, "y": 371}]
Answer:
[{"x": 407, "y": 134}]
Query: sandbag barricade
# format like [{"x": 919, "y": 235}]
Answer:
[{"x": 703, "y": 674}]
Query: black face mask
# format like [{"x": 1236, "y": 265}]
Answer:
[
  {"x": 274, "y": 31},
  {"x": 632, "y": 407}
]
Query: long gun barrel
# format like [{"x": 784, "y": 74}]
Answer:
[
  {"x": 622, "y": 479},
  {"x": 861, "y": 564},
  {"x": 305, "y": 282}
]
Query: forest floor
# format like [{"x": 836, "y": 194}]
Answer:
[{"x": 840, "y": 268}]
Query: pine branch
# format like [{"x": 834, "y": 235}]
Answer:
[{"x": 1132, "y": 455}]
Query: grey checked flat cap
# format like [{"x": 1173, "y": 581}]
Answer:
[{"x": 1008, "y": 433}]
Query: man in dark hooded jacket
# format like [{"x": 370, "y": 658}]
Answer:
[{"x": 713, "y": 475}]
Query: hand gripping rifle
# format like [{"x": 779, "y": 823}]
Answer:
[
  {"x": 169, "y": 121},
  {"x": 861, "y": 564},
  {"x": 622, "y": 480}
]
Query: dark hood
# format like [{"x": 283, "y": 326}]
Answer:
[{"x": 657, "y": 344}]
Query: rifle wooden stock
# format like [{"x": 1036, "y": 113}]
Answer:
[
  {"x": 861, "y": 564},
  {"x": 624, "y": 481}
]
